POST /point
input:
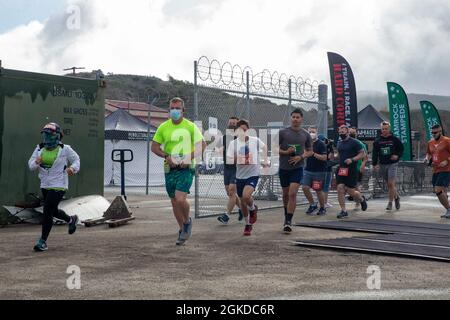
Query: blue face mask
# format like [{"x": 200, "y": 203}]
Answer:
[
  {"x": 50, "y": 140},
  {"x": 175, "y": 114}
]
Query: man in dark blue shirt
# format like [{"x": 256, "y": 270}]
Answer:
[
  {"x": 350, "y": 152},
  {"x": 315, "y": 173}
]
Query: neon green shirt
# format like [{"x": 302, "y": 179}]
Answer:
[
  {"x": 48, "y": 159},
  {"x": 178, "y": 140}
]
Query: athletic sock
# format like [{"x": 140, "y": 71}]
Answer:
[
  {"x": 285, "y": 211},
  {"x": 247, "y": 221},
  {"x": 252, "y": 208},
  {"x": 289, "y": 217}
]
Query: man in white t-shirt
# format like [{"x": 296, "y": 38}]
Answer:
[{"x": 244, "y": 151}]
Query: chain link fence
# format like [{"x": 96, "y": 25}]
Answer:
[{"x": 266, "y": 99}]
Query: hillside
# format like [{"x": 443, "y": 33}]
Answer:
[{"x": 214, "y": 103}]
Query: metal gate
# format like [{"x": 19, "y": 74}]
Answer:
[{"x": 266, "y": 99}]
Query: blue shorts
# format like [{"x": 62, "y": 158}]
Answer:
[
  {"x": 287, "y": 177},
  {"x": 327, "y": 183},
  {"x": 241, "y": 184},
  {"x": 441, "y": 179},
  {"x": 310, "y": 176},
  {"x": 229, "y": 176}
]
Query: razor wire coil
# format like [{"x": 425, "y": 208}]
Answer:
[{"x": 234, "y": 77}]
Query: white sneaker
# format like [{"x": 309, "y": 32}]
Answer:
[
  {"x": 446, "y": 215},
  {"x": 328, "y": 205}
]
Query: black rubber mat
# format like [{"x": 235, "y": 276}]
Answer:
[
  {"x": 411, "y": 239},
  {"x": 371, "y": 246},
  {"x": 407, "y": 223},
  {"x": 372, "y": 227}
]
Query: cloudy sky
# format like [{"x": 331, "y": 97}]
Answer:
[{"x": 402, "y": 41}]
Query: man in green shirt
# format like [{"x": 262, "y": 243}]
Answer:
[
  {"x": 361, "y": 165},
  {"x": 180, "y": 142}
]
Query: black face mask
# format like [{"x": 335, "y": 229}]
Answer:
[
  {"x": 352, "y": 135},
  {"x": 343, "y": 136}
]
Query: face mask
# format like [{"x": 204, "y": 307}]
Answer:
[
  {"x": 175, "y": 114},
  {"x": 50, "y": 140},
  {"x": 313, "y": 136},
  {"x": 437, "y": 137},
  {"x": 343, "y": 136},
  {"x": 353, "y": 135}
]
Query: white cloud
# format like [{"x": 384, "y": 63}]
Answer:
[{"x": 382, "y": 40}]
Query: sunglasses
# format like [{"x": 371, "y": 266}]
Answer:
[{"x": 435, "y": 133}]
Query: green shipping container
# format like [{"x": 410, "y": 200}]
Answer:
[{"x": 30, "y": 100}]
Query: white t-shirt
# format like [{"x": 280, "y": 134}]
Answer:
[{"x": 248, "y": 159}]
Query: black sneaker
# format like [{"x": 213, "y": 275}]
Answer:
[
  {"x": 397, "y": 203},
  {"x": 322, "y": 212},
  {"x": 389, "y": 207},
  {"x": 224, "y": 219},
  {"x": 287, "y": 227},
  {"x": 312, "y": 209},
  {"x": 343, "y": 214},
  {"x": 73, "y": 224},
  {"x": 364, "y": 204}
]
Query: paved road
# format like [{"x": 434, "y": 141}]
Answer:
[{"x": 141, "y": 261}]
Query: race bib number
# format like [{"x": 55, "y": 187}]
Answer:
[
  {"x": 343, "y": 172},
  {"x": 317, "y": 185},
  {"x": 435, "y": 158},
  {"x": 386, "y": 151}
]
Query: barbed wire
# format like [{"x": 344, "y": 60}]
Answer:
[{"x": 234, "y": 77}]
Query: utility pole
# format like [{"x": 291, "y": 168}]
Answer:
[{"x": 74, "y": 69}]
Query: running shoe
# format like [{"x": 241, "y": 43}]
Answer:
[
  {"x": 248, "y": 230},
  {"x": 224, "y": 219},
  {"x": 253, "y": 216},
  {"x": 40, "y": 246},
  {"x": 389, "y": 207},
  {"x": 287, "y": 227},
  {"x": 343, "y": 214},
  {"x": 397, "y": 203},
  {"x": 73, "y": 224},
  {"x": 364, "y": 204},
  {"x": 312, "y": 209},
  {"x": 322, "y": 212},
  {"x": 180, "y": 240}
]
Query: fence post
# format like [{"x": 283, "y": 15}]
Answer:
[
  {"x": 148, "y": 148},
  {"x": 247, "y": 74},
  {"x": 197, "y": 189},
  {"x": 290, "y": 102},
  {"x": 322, "y": 119}
]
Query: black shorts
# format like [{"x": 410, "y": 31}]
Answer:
[
  {"x": 351, "y": 181},
  {"x": 229, "y": 175},
  {"x": 441, "y": 179},
  {"x": 360, "y": 177}
]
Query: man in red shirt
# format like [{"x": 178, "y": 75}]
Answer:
[{"x": 438, "y": 155}]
